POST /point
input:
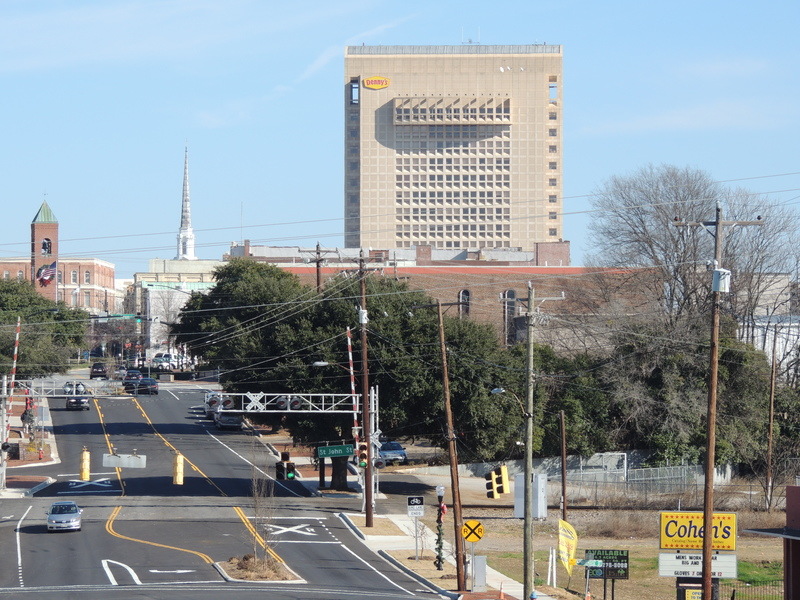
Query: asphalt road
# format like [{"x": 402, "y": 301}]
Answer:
[{"x": 145, "y": 537}]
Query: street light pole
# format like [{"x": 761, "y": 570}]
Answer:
[{"x": 366, "y": 418}]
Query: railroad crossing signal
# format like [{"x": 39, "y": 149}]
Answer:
[
  {"x": 472, "y": 531},
  {"x": 497, "y": 482}
]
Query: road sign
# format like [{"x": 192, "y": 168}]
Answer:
[
  {"x": 684, "y": 531},
  {"x": 683, "y": 564},
  {"x": 472, "y": 531},
  {"x": 130, "y": 461},
  {"x": 331, "y": 451},
  {"x": 416, "y": 506},
  {"x": 589, "y": 563},
  {"x": 614, "y": 564}
]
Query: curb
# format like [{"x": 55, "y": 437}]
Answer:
[
  {"x": 398, "y": 565},
  {"x": 394, "y": 562}
]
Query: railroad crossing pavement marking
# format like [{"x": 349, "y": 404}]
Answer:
[{"x": 278, "y": 530}]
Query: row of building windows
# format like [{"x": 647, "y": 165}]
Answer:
[
  {"x": 470, "y": 163},
  {"x": 451, "y": 213},
  {"x": 454, "y": 147},
  {"x": 453, "y": 230},
  {"x": 501, "y": 109},
  {"x": 457, "y": 244},
  {"x": 456, "y": 197},
  {"x": 452, "y": 131},
  {"x": 456, "y": 179},
  {"x": 87, "y": 276}
]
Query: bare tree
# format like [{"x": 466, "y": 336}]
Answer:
[{"x": 635, "y": 228}]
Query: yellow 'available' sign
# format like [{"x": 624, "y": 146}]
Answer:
[
  {"x": 685, "y": 531},
  {"x": 376, "y": 82}
]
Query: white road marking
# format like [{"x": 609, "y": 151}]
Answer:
[
  {"x": 110, "y": 575},
  {"x": 175, "y": 571},
  {"x": 19, "y": 547},
  {"x": 277, "y": 529},
  {"x": 104, "y": 482},
  {"x": 378, "y": 572},
  {"x": 264, "y": 473}
]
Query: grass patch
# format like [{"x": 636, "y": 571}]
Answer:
[
  {"x": 252, "y": 568},
  {"x": 764, "y": 571}
]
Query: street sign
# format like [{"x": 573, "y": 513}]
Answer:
[
  {"x": 683, "y": 564},
  {"x": 684, "y": 531},
  {"x": 472, "y": 531},
  {"x": 416, "y": 506},
  {"x": 332, "y": 451},
  {"x": 130, "y": 461},
  {"x": 589, "y": 563},
  {"x": 614, "y": 564}
]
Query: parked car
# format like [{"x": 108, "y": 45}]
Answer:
[
  {"x": 120, "y": 371},
  {"x": 393, "y": 452},
  {"x": 64, "y": 516},
  {"x": 98, "y": 371},
  {"x": 145, "y": 385},
  {"x": 223, "y": 420}
]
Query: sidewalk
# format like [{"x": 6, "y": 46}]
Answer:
[
  {"x": 473, "y": 492},
  {"x": 38, "y": 449}
]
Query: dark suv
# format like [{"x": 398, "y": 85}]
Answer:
[{"x": 98, "y": 371}]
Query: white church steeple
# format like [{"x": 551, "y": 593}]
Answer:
[{"x": 185, "y": 234}]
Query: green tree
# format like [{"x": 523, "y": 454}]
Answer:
[{"x": 50, "y": 332}]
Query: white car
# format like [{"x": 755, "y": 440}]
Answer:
[{"x": 64, "y": 516}]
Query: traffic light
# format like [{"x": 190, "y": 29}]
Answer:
[
  {"x": 280, "y": 470},
  {"x": 291, "y": 473},
  {"x": 362, "y": 455},
  {"x": 285, "y": 457},
  {"x": 497, "y": 482},
  {"x": 138, "y": 317}
]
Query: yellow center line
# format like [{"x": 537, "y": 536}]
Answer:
[
  {"x": 239, "y": 512},
  {"x": 251, "y": 528},
  {"x": 174, "y": 449},
  {"x": 118, "y": 470},
  {"x": 110, "y": 529}
]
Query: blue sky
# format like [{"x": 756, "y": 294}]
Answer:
[{"x": 100, "y": 97}]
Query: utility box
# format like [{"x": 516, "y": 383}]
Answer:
[
  {"x": 721, "y": 281},
  {"x": 538, "y": 499}
]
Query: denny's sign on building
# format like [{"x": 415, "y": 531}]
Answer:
[
  {"x": 376, "y": 82},
  {"x": 685, "y": 531}
]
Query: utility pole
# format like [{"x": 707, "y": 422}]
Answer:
[
  {"x": 366, "y": 419},
  {"x": 318, "y": 260},
  {"x": 453, "y": 452},
  {"x": 720, "y": 284},
  {"x": 772, "y": 382},
  {"x": 527, "y": 542}
]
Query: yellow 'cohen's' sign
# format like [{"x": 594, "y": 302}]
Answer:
[
  {"x": 376, "y": 82},
  {"x": 685, "y": 531}
]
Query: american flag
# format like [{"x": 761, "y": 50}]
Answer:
[{"x": 46, "y": 273}]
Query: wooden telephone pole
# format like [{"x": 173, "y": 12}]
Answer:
[{"x": 719, "y": 286}]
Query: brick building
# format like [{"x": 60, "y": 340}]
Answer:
[{"x": 86, "y": 283}]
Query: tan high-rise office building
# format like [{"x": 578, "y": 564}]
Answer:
[{"x": 456, "y": 147}]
